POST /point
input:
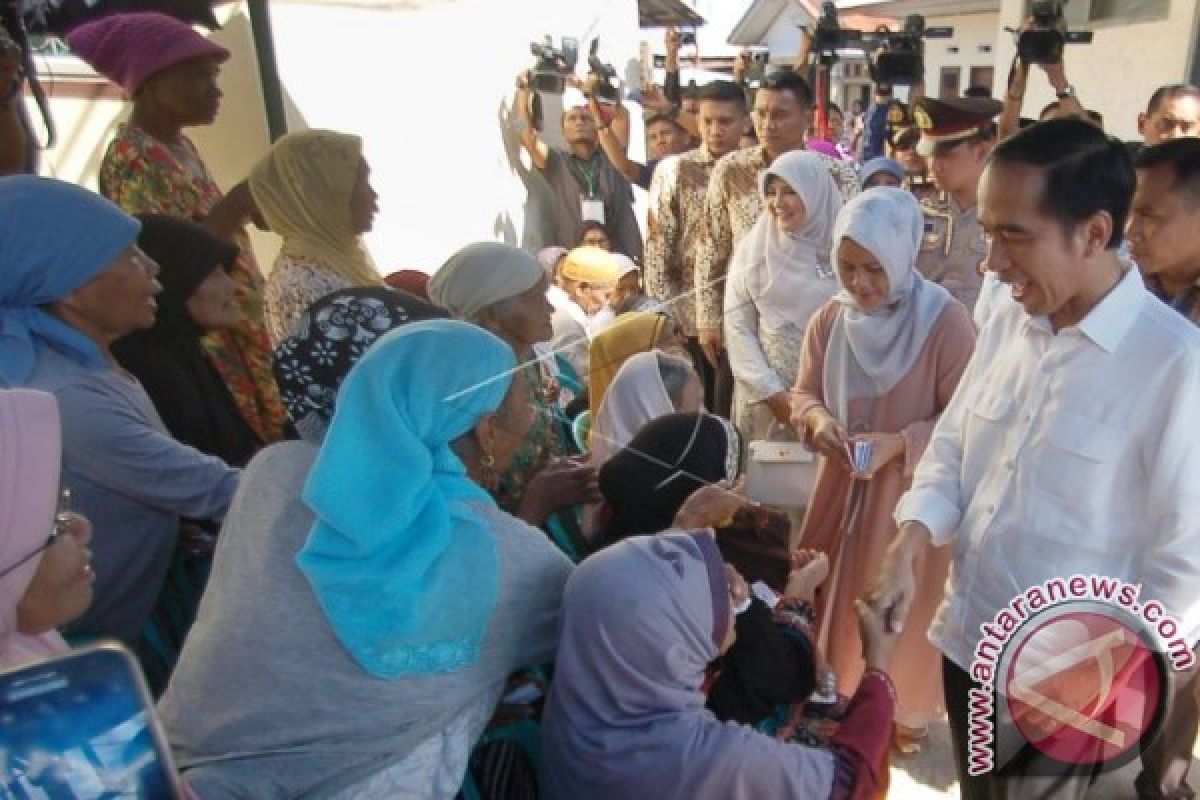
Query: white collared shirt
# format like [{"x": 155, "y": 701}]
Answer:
[{"x": 1067, "y": 453}]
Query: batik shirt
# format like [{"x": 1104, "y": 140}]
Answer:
[{"x": 674, "y": 227}]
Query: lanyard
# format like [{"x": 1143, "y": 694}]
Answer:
[{"x": 587, "y": 173}]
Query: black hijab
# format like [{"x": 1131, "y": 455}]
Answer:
[
  {"x": 646, "y": 482},
  {"x": 330, "y": 337},
  {"x": 169, "y": 360}
]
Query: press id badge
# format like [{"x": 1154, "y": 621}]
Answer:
[{"x": 592, "y": 208}]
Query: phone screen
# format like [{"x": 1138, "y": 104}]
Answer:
[{"x": 81, "y": 727}]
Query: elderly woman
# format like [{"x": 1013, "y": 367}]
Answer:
[
  {"x": 647, "y": 386},
  {"x": 880, "y": 362},
  {"x": 168, "y": 359},
  {"x": 408, "y": 602},
  {"x": 45, "y": 567},
  {"x": 73, "y": 283},
  {"x": 779, "y": 276},
  {"x": 503, "y": 289},
  {"x": 625, "y": 718},
  {"x": 313, "y": 189},
  {"x": 151, "y": 166}
]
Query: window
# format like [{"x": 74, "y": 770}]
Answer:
[
  {"x": 1128, "y": 10},
  {"x": 948, "y": 85},
  {"x": 981, "y": 76}
]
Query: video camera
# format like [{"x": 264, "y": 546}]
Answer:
[
  {"x": 895, "y": 57},
  {"x": 1043, "y": 43},
  {"x": 606, "y": 86},
  {"x": 552, "y": 67}
]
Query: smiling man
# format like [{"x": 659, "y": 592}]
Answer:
[{"x": 1045, "y": 464}]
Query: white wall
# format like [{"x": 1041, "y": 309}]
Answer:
[
  {"x": 971, "y": 31},
  {"x": 1120, "y": 69},
  {"x": 429, "y": 89}
]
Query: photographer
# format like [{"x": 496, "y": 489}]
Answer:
[
  {"x": 584, "y": 182},
  {"x": 1068, "y": 104}
]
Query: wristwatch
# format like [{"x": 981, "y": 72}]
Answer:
[{"x": 1069, "y": 91}]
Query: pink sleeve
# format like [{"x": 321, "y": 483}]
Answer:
[
  {"x": 952, "y": 341},
  {"x": 808, "y": 392}
]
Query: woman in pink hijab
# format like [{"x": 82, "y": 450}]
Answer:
[{"x": 45, "y": 566}]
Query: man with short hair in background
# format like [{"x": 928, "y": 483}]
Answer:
[
  {"x": 783, "y": 111},
  {"x": 1173, "y": 112},
  {"x": 1164, "y": 239},
  {"x": 676, "y": 216},
  {"x": 956, "y": 137}
]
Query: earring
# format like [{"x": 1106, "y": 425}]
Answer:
[{"x": 491, "y": 481}]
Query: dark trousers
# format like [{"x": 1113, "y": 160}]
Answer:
[
  {"x": 718, "y": 381},
  {"x": 1030, "y": 774},
  {"x": 1165, "y": 762}
]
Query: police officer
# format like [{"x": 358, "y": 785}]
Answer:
[{"x": 956, "y": 137}]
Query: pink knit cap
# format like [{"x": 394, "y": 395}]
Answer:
[{"x": 129, "y": 48}]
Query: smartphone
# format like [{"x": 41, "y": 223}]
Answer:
[{"x": 82, "y": 726}]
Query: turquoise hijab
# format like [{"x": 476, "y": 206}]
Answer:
[
  {"x": 54, "y": 237},
  {"x": 405, "y": 569}
]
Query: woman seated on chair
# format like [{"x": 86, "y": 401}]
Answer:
[
  {"x": 646, "y": 386},
  {"x": 642, "y": 620},
  {"x": 369, "y": 600},
  {"x": 503, "y": 289},
  {"x": 73, "y": 283}
]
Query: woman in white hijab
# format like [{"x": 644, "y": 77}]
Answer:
[
  {"x": 779, "y": 277},
  {"x": 647, "y": 386},
  {"x": 880, "y": 362}
]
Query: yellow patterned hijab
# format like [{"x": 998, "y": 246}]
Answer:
[{"x": 302, "y": 188}]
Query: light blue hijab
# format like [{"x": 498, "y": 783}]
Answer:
[
  {"x": 404, "y": 568},
  {"x": 54, "y": 238}
]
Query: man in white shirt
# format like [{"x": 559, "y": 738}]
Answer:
[{"x": 1069, "y": 446}]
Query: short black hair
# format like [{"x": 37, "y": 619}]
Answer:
[
  {"x": 831, "y": 107},
  {"x": 1085, "y": 170},
  {"x": 977, "y": 91},
  {"x": 668, "y": 117},
  {"x": 788, "y": 80},
  {"x": 589, "y": 225},
  {"x": 1170, "y": 92},
  {"x": 722, "y": 91},
  {"x": 1183, "y": 156}
]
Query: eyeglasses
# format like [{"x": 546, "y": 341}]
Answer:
[{"x": 61, "y": 519}]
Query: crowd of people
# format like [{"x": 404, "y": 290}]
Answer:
[{"x": 488, "y": 533}]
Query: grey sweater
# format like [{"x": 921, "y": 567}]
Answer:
[{"x": 267, "y": 703}]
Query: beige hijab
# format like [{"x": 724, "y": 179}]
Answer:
[{"x": 303, "y": 188}]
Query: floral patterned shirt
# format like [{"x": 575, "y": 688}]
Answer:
[
  {"x": 731, "y": 207},
  {"x": 674, "y": 227},
  {"x": 141, "y": 174}
]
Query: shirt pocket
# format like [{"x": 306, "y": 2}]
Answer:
[{"x": 1077, "y": 465}]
